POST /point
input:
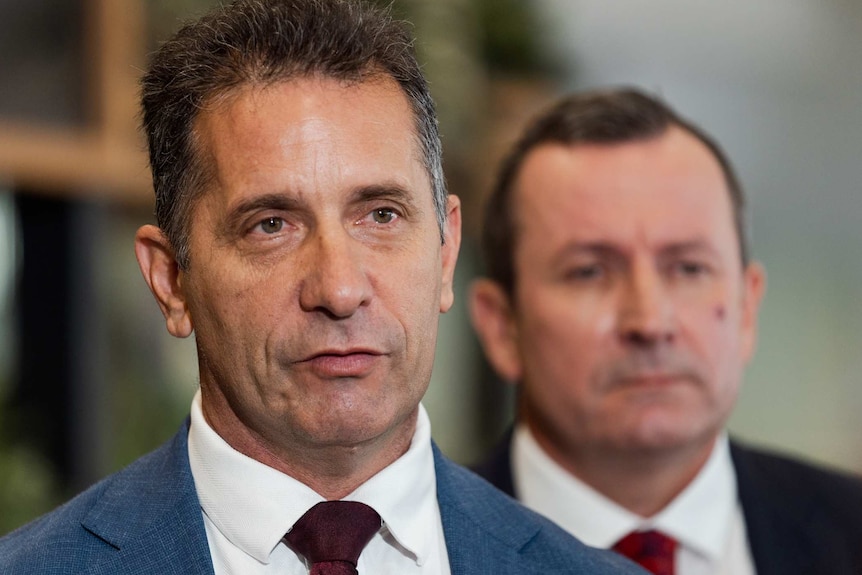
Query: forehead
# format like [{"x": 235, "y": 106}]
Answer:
[
  {"x": 661, "y": 190},
  {"x": 310, "y": 134}
]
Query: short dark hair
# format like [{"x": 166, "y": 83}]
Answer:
[
  {"x": 599, "y": 117},
  {"x": 262, "y": 42}
]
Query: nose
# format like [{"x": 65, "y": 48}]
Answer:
[
  {"x": 336, "y": 282},
  {"x": 646, "y": 312}
]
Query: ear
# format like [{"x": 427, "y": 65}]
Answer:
[
  {"x": 493, "y": 319},
  {"x": 163, "y": 275},
  {"x": 449, "y": 252},
  {"x": 754, "y": 286}
]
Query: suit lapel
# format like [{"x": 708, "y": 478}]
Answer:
[
  {"x": 481, "y": 538},
  {"x": 783, "y": 532},
  {"x": 149, "y": 517},
  {"x": 497, "y": 469}
]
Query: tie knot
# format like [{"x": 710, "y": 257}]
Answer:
[
  {"x": 652, "y": 550},
  {"x": 334, "y": 532}
]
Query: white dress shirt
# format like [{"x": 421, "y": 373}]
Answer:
[
  {"x": 248, "y": 507},
  {"x": 706, "y": 518}
]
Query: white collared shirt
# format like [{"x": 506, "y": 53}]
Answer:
[
  {"x": 248, "y": 507},
  {"x": 706, "y": 518}
]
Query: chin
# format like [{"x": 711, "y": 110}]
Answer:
[
  {"x": 352, "y": 431},
  {"x": 660, "y": 436}
]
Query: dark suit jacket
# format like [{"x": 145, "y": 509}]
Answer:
[
  {"x": 800, "y": 520},
  {"x": 146, "y": 519}
]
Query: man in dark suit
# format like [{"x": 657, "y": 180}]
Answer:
[
  {"x": 622, "y": 301},
  {"x": 306, "y": 237}
]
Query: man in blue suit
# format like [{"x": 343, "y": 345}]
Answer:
[
  {"x": 622, "y": 300},
  {"x": 306, "y": 237}
]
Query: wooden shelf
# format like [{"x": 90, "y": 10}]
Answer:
[
  {"x": 73, "y": 163},
  {"x": 106, "y": 159}
]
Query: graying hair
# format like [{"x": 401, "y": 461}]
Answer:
[{"x": 261, "y": 42}]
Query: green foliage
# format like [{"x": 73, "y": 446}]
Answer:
[
  {"x": 507, "y": 29},
  {"x": 509, "y": 36},
  {"x": 27, "y": 487}
]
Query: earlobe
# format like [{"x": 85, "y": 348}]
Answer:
[
  {"x": 162, "y": 274},
  {"x": 449, "y": 252},
  {"x": 754, "y": 288},
  {"x": 494, "y": 322}
]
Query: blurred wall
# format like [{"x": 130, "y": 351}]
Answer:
[{"x": 780, "y": 85}]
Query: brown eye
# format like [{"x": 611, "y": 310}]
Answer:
[
  {"x": 271, "y": 225},
  {"x": 690, "y": 269},
  {"x": 584, "y": 273},
  {"x": 383, "y": 215}
]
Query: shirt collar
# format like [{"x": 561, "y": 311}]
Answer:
[
  {"x": 254, "y": 505},
  {"x": 405, "y": 493},
  {"x": 700, "y": 517}
]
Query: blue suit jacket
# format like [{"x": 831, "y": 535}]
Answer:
[
  {"x": 799, "y": 519},
  {"x": 146, "y": 519}
]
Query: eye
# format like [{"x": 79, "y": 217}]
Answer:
[
  {"x": 584, "y": 273},
  {"x": 383, "y": 215},
  {"x": 271, "y": 225},
  {"x": 690, "y": 269}
]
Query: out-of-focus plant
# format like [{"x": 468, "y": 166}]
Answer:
[
  {"x": 509, "y": 40},
  {"x": 27, "y": 486}
]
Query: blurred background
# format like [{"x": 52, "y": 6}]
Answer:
[{"x": 89, "y": 378}]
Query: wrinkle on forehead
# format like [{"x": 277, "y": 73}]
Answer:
[{"x": 312, "y": 137}]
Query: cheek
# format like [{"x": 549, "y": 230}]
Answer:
[
  {"x": 563, "y": 335},
  {"x": 603, "y": 321},
  {"x": 232, "y": 304},
  {"x": 582, "y": 322},
  {"x": 711, "y": 333}
]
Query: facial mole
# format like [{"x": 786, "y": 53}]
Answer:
[{"x": 720, "y": 312}]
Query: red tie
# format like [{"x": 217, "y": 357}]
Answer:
[
  {"x": 652, "y": 550},
  {"x": 332, "y": 534}
]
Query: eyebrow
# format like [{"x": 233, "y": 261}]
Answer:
[
  {"x": 698, "y": 245},
  {"x": 606, "y": 249},
  {"x": 386, "y": 191},
  {"x": 591, "y": 248}
]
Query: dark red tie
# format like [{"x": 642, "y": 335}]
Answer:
[
  {"x": 332, "y": 534},
  {"x": 652, "y": 550}
]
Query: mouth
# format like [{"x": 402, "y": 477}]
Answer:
[
  {"x": 343, "y": 363},
  {"x": 652, "y": 380}
]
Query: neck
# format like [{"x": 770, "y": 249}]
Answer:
[
  {"x": 337, "y": 471},
  {"x": 332, "y": 469},
  {"x": 641, "y": 481}
]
